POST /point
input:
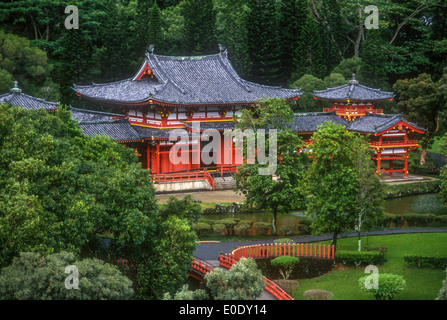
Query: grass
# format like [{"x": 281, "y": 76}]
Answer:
[{"x": 422, "y": 284}]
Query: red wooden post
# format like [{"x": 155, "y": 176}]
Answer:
[
  {"x": 319, "y": 251},
  {"x": 324, "y": 251},
  {"x": 310, "y": 253},
  {"x": 289, "y": 249},
  {"x": 333, "y": 252},
  {"x": 276, "y": 249},
  {"x": 306, "y": 249}
]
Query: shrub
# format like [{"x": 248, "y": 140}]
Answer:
[
  {"x": 284, "y": 240},
  {"x": 443, "y": 291},
  {"x": 389, "y": 286},
  {"x": 304, "y": 226},
  {"x": 287, "y": 285},
  {"x": 413, "y": 220},
  {"x": 316, "y": 294},
  {"x": 381, "y": 249},
  {"x": 229, "y": 224},
  {"x": 243, "y": 226},
  {"x": 262, "y": 228},
  {"x": 420, "y": 261},
  {"x": 288, "y": 229},
  {"x": 285, "y": 265},
  {"x": 219, "y": 228},
  {"x": 202, "y": 228},
  {"x": 358, "y": 258}
]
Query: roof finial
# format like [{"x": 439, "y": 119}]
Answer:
[
  {"x": 353, "y": 81},
  {"x": 16, "y": 89},
  {"x": 221, "y": 47},
  {"x": 151, "y": 48}
]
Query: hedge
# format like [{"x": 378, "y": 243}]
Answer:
[
  {"x": 421, "y": 261},
  {"x": 407, "y": 189},
  {"x": 413, "y": 220},
  {"x": 358, "y": 258}
]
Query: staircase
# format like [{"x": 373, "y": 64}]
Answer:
[{"x": 224, "y": 183}]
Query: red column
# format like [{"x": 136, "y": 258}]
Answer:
[
  {"x": 406, "y": 164},
  {"x": 148, "y": 156},
  {"x": 157, "y": 165}
]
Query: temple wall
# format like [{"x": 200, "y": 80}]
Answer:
[{"x": 182, "y": 186}]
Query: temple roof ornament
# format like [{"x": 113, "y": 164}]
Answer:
[{"x": 353, "y": 92}]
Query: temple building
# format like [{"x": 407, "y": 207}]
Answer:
[
  {"x": 197, "y": 94},
  {"x": 354, "y": 106},
  {"x": 175, "y": 93}
]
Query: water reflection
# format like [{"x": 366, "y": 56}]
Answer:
[{"x": 426, "y": 203}]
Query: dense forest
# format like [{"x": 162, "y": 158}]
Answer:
[{"x": 309, "y": 44}]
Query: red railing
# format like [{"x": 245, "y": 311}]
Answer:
[
  {"x": 201, "y": 266},
  {"x": 272, "y": 250},
  {"x": 394, "y": 143},
  {"x": 183, "y": 176}
]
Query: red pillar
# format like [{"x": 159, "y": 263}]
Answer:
[
  {"x": 157, "y": 165},
  {"x": 406, "y": 164},
  {"x": 148, "y": 156}
]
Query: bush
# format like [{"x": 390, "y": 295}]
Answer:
[
  {"x": 381, "y": 249},
  {"x": 413, "y": 220},
  {"x": 243, "y": 226},
  {"x": 443, "y": 292},
  {"x": 285, "y": 265},
  {"x": 32, "y": 276},
  {"x": 284, "y": 240},
  {"x": 219, "y": 228},
  {"x": 316, "y": 294},
  {"x": 421, "y": 261},
  {"x": 202, "y": 228},
  {"x": 304, "y": 226},
  {"x": 389, "y": 286},
  {"x": 229, "y": 224},
  {"x": 262, "y": 228},
  {"x": 288, "y": 229},
  {"x": 358, "y": 258}
]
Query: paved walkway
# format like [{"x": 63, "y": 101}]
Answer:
[{"x": 209, "y": 251}]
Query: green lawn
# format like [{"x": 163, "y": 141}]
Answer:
[{"x": 422, "y": 284}]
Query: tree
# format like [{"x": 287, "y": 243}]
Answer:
[
  {"x": 199, "y": 27},
  {"x": 306, "y": 103},
  {"x": 21, "y": 61},
  {"x": 32, "y": 276},
  {"x": 286, "y": 264},
  {"x": 309, "y": 55},
  {"x": 420, "y": 99},
  {"x": 244, "y": 281},
  {"x": 389, "y": 286},
  {"x": 280, "y": 190},
  {"x": 370, "y": 191},
  {"x": 263, "y": 42},
  {"x": 373, "y": 72},
  {"x": 185, "y": 208},
  {"x": 332, "y": 181},
  {"x": 155, "y": 26}
]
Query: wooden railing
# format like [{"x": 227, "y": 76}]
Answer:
[
  {"x": 273, "y": 250},
  {"x": 201, "y": 266},
  {"x": 183, "y": 176}
]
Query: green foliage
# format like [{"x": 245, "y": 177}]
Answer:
[
  {"x": 413, "y": 220},
  {"x": 186, "y": 294},
  {"x": 262, "y": 228},
  {"x": 262, "y": 189},
  {"x": 244, "y": 281},
  {"x": 185, "y": 208},
  {"x": 389, "y": 286},
  {"x": 358, "y": 258},
  {"x": 443, "y": 291},
  {"x": 286, "y": 264},
  {"x": 35, "y": 277},
  {"x": 423, "y": 261},
  {"x": 22, "y": 62},
  {"x": 202, "y": 228}
]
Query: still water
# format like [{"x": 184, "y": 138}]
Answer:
[{"x": 427, "y": 203}]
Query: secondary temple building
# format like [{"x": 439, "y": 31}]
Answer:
[{"x": 170, "y": 92}]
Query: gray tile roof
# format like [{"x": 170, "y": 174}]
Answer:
[
  {"x": 27, "y": 102},
  {"x": 376, "y": 123},
  {"x": 370, "y": 123},
  {"x": 119, "y": 130},
  {"x": 84, "y": 115},
  {"x": 310, "y": 122},
  {"x": 192, "y": 80},
  {"x": 354, "y": 92},
  {"x": 216, "y": 125}
]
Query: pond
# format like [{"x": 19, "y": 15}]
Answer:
[{"x": 426, "y": 203}]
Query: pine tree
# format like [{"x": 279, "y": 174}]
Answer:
[
  {"x": 372, "y": 70},
  {"x": 200, "y": 27},
  {"x": 263, "y": 42},
  {"x": 155, "y": 26},
  {"x": 310, "y": 54},
  {"x": 293, "y": 15}
]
